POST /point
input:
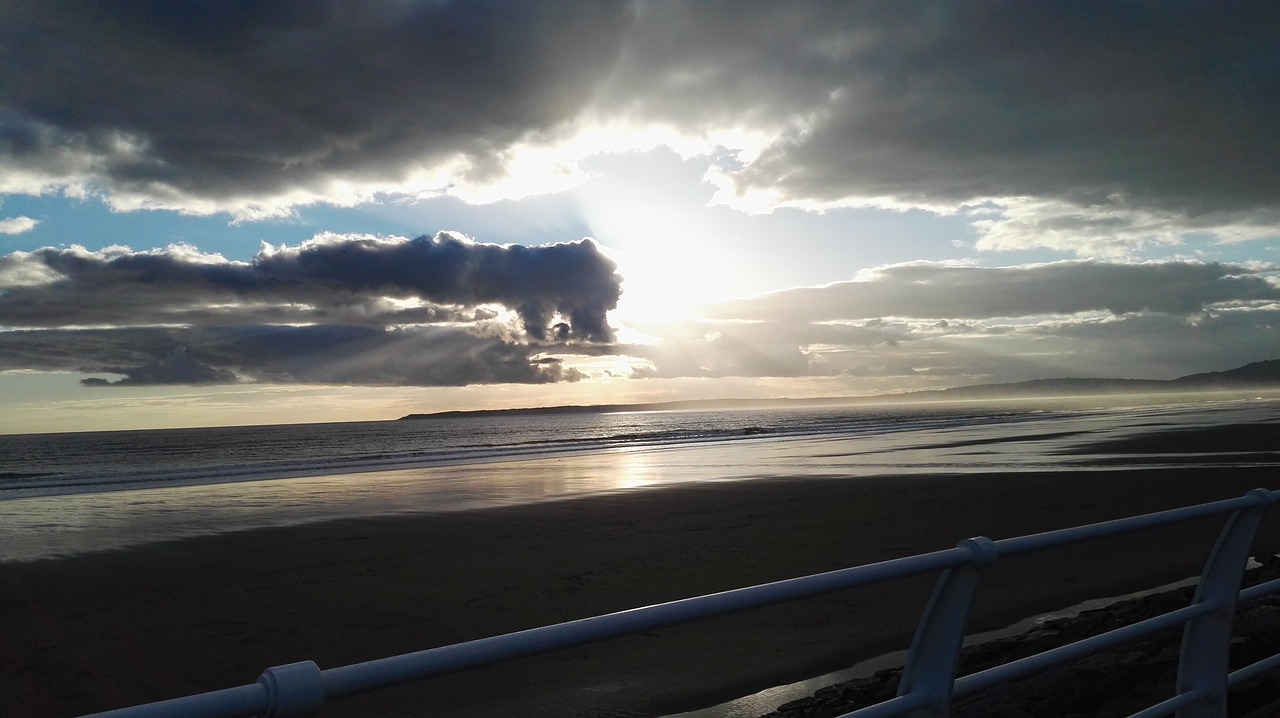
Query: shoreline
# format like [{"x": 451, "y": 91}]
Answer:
[{"x": 113, "y": 629}]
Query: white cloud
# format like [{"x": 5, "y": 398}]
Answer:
[
  {"x": 948, "y": 291},
  {"x": 17, "y": 225},
  {"x": 1110, "y": 229},
  {"x": 888, "y": 355}
]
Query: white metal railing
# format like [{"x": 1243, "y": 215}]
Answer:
[{"x": 928, "y": 680}]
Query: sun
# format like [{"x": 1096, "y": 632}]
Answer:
[{"x": 673, "y": 251}]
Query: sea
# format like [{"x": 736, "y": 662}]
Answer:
[
  {"x": 78, "y": 493},
  {"x": 69, "y": 493}
]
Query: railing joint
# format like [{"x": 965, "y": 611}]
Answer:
[
  {"x": 295, "y": 690},
  {"x": 984, "y": 551},
  {"x": 1265, "y": 498}
]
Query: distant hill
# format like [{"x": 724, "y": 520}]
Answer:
[
  {"x": 1054, "y": 387},
  {"x": 1250, "y": 376},
  {"x": 1258, "y": 375},
  {"x": 691, "y": 404}
]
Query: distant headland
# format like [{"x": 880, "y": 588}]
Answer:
[{"x": 1258, "y": 375}]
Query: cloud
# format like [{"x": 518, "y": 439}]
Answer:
[
  {"x": 711, "y": 349},
  {"x": 338, "y": 309},
  {"x": 892, "y": 355},
  {"x": 1107, "y": 106},
  {"x": 319, "y": 354},
  {"x": 929, "y": 324},
  {"x": 17, "y": 225},
  {"x": 210, "y": 106},
  {"x": 176, "y": 368},
  {"x": 914, "y": 325},
  {"x": 933, "y": 290},
  {"x": 1112, "y": 229},
  {"x": 1088, "y": 127},
  {"x": 1164, "y": 346},
  {"x": 565, "y": 288}
]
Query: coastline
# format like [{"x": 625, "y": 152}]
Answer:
[{"x": 107, "y": 630}]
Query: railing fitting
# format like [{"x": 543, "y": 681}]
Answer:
[{"x": 294, "y": 690}]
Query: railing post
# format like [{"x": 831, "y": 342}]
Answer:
[
  {"x": 935, "y": 649},
  {"x": 295, "y": 690},
  {"x": 1206, "y": 640}
]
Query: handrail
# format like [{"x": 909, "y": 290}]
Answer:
[{"x": 928, "y": 681}]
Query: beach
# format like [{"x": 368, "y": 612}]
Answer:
[{"x": 105, "y": 630}]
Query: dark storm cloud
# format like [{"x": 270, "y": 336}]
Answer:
[
  {"x": 176, "y": 368},
  {"x": 222, "y": 100},
  {"x": 178, "y": 316},
  {"x": 939, "y": 291},
  {"x": 1167, "y": 107},
  {"x": 414, "y": 356},
  {"x": 1140, "y": 104},
  {"x": 332, "y": 280}
]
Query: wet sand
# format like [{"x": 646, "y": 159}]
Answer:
[{"x": 107, "y": 630}]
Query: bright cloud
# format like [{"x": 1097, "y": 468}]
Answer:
[
  {"x": 17, "y": 225},
  {"x": 934, "y": 290},
  {"x": 938, "y": 324}
]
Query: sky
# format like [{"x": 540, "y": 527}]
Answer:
[{"x": 233, "y": 212}]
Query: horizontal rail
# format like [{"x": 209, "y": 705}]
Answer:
[
  {"x": 396, "y": 670},
  {"x": 300, "y": 689},
  {"x": 1253, "y": 670},
  {"x": 1116, "y": 527},
  {"x": 1168, "y": 707},
  {"x": 235, "y": 702},
  {"x": 385, "y": 672},
  {"x": 1056, "y": 656},
  {"x": 1253, "y": 593},
  {"x": 894, "y": 706}
]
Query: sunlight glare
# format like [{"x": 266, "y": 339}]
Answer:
[{"x": 673, "y": 252}]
